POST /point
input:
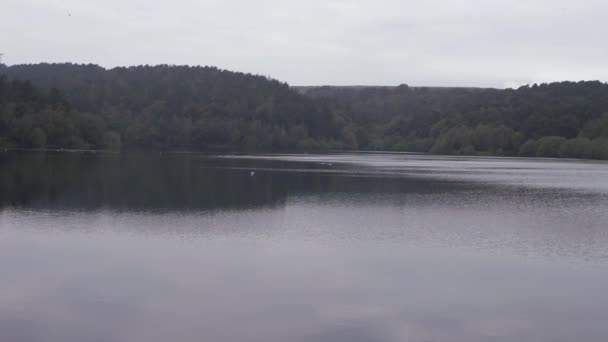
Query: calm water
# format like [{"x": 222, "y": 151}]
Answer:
[{"x": 344, "y": 248}]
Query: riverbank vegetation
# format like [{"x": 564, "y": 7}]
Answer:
[{"x": 202, "y": 108}]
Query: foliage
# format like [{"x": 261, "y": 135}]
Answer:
[
  {"x": 479, "y": 121},
  {"x": 550, "y": 146},
  {"x": 203, "y": 108},
  {"x": 173, "y": 107},
  {"x": 576, "y": 148}
]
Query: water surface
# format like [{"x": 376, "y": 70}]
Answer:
[{"x": 342, "y": 247}]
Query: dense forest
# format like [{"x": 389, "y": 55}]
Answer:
[
  {"x": 564, "y": 119},
  {"x": 204, "y": 108},
  {"x": 160, "y": 107}
]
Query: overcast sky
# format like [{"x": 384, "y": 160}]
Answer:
[{"x": 498, "y": 43}]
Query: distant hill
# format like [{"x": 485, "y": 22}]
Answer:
[
  {"x": 565, "y": 119},
  {"x": 327, "y": 90},
  {"x": 201, "y": 108},
  {"x": 177, "y": 107}
]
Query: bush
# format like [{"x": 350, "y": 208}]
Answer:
[
  {"x": 377, "y": 144},
  {"x": 576, "y": 148},
  {"x": 528, "y": 149},
  {"x": 423, "y": 145},
  {"x": 550, "y": 146},
  {"x": 401, "y": 146},
  {"x": 251, "y": 142},
  {"x": 307, "y": 144},
  {"x": 38, "y": 138},
  {"x": 599, "y": 148},
  {"x": 467, "y": 150},
  {"x": 111, "y": 140}
]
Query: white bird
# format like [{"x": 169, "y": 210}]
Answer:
[{"x": 252, "y": 173}]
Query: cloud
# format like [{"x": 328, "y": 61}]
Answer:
[{"x": 447, "y": 42}]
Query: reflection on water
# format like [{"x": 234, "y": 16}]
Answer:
[{"x": 344, "y": 247}]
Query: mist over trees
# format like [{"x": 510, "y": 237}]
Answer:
[{"x": 202, "y": 108}]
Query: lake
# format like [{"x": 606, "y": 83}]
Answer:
[{"x": 334, "y": 247}]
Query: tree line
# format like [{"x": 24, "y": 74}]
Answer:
[
  {"x": 203, "y": 108},
  {"x": 564, "y": 119},
  {"x": 161, "y": 107}
]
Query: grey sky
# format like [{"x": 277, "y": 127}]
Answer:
[{"x": 306, "y": 42}]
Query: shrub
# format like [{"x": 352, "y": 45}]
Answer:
[
  {"x": 576, "y": 148},
  {"x": 528, "y": 149},
  {"x": 549, "y": 146}
]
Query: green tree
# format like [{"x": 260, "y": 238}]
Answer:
[
  {"x": 576, "y": 148},
  {"x": 599, "y": 148},
  {"x": 550, "y": 146},
  {"x": 38, "y": 138},
  {"x": 528, "y": 149},
  {"x": 111, "y": 141}
]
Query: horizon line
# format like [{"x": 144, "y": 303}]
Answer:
[{"x": 108, "y": 68}]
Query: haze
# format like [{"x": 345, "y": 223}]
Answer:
[{"x": 499, "y": 43}]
